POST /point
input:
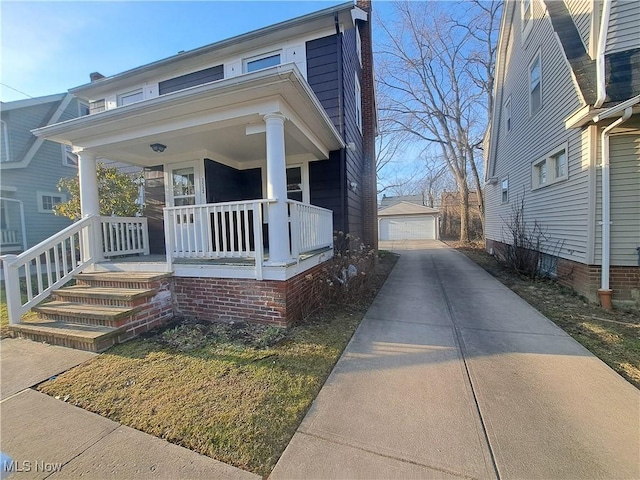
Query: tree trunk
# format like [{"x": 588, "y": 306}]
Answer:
[{"x": 464, "y": 212}]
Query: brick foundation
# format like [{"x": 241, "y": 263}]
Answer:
[
  {"x": 281, "y": 303},
  {"x": 585, "y": 280}
]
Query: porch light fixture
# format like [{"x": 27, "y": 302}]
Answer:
[{"x": 158, "y": 147}]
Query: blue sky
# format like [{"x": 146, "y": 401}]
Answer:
[{"x": 48, "y": 47}]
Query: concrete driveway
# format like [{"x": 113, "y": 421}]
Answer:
[{"x": 452, "y": 375}]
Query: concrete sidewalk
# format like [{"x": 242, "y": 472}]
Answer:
[
  {"x": 48, "y": 438},
  {"x": 452, "y": 375}
]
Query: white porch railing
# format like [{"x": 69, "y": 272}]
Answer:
[
  {"x": 234, "y": 230},
  {"x": 214, "y": 231},
  {"x": 124, "y": 236},
  {"x": 8, "y": 237},
  {"x": 54, "y": 261},
  {"x": 311, "y": 227}
]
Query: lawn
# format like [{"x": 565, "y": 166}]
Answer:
[
  {"x": 613, "y": 336},
  {"x": 234, "y": 392}
]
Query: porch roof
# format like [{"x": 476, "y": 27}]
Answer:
[{"x": 222, "y": 120}]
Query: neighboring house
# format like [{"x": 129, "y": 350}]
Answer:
[
  {"x": 408, "y": 221},
  {"x": 255, "y": 149},
  {"x": 30, "y": 168},
  {"x": 565, "y": 140}
]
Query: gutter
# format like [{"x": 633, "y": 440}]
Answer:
[
  {"x": 600, "y": 63},
  {"x": 605, "y": 291}
]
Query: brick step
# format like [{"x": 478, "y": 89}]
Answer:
[
  {"x": 85, "y": 314},
  {"x": 135, "y": 280},
  {"x": 90, "y": 338},
  {"x": 109, "y": 296}
]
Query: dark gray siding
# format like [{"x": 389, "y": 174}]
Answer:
[
  {"x": 324, "y": 187},
  {"x": 352, "y": 134},
  {"x": 326, "y": 178},
  {"x": 191, "y": 79},
  {"x": 226, "y": 184}
]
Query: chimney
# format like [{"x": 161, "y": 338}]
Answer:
[
  {"x": 364, "y": 5},
  {"x": 95, "y": 76}
]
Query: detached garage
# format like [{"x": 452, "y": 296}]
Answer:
[{"x": 408, "y": 221}]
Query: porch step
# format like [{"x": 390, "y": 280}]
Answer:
[
  {"x": 85, "y": 314},
  {"x": 90, "y": 338},
  {"x": 128, "y": 280},
  {"x": 117, "y": 297}
]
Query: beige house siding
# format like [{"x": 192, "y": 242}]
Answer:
[
  {"x": 625, "y": 201},
  {"x": 562, "y": 208},
  {"x": 624, "y": 24},
  {"x": 581, "y": 13}
]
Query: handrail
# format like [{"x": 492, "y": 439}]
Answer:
[{"x": 55, "y": 260}]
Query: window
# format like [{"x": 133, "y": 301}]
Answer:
[
  {"x": 535, "y": 85},
  {"x": 47, "y": 200},
  {"x": 69, "y": 159},
  {"x": 294, "y": 183},
  {"x": 507, "y": 114},
  {"x": 548, "y": 265},
  {"x": 4, "y": 142},
  {"x": 83, "y": 109},
  {"x": 505, "y": 190},
  {"x": 97, "y": 106},
  {"x": 358, "y": 104},
  {"x": 264, "y": 61},
  {"x": 130, "y": 97},
  {"x": 551, "y": 169},
  {"x": 526, "y": 13}
]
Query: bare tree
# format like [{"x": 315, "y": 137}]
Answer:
[{"x": 433, "y": 68}]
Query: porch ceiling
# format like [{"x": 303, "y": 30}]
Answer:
[{"x": 221, "y": 120}]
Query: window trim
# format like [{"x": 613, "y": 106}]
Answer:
[
  {"x": 304, "y": 180},
  {"x": 504, "y": 190},
  {"x": 358, "y": 98},
  {"x": 508, "y": 124},
  {"x": 66, "y": 149},
  {"x": 42, "y": 194},
  {"x": 526, "y": 23},
  {"x": 129, "y": 93},
  {"x": 86, "y": 105},
  {"x": 255, "y": 58},
  {"x": 550, "y": 162},
  {"x": 5, "y": 134},
  {"x": 358, "y": 45},
  {"x": 537, "y": 58}
]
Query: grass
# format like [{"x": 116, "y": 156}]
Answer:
[
  {"x": 4, "y": 313},
  {"x": 236, "y": 392},
  {"x": 613, "y": 336}
]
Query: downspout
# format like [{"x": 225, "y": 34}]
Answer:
[
  {"x": 341, "y": 128},
  {"x": 600, "y": 63},
  {"x": 605, "y": 292}
]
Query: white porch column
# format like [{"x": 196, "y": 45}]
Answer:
[
  {"x": 279, "y": 251},
  {"x": 89, "y": 202}
]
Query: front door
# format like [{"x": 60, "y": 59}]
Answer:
[{"x": 185, "y": 187}]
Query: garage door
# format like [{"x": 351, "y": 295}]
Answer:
[{"x": 408, "y": 228}]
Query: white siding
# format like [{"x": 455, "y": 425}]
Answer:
[
  {"x": 581, "y": 13},
  {"x": 624, "y": 26},
  {"x": 625, "y": 201},
  {"x": 561, "y": 209}
]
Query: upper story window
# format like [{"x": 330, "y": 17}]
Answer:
[
  {"x": 535, "y": 85},
  {"x": 4, "y": 142},
  {"x": 358, "y": 94},
  {"x": 550, "y": 169},
  {"x": 83, "y": 109},
  {"x": 69, "y": 159},
  {"x": 130, "y": 97},
  {"x": 505, "y": 190},
  {"x": 267, "y": 60},
  {"x": 507, "y": 114},
  {"x": 359, "y": 45},
  {"x": 526, "y": 11},
  {"x": 97, "y": 106}
]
